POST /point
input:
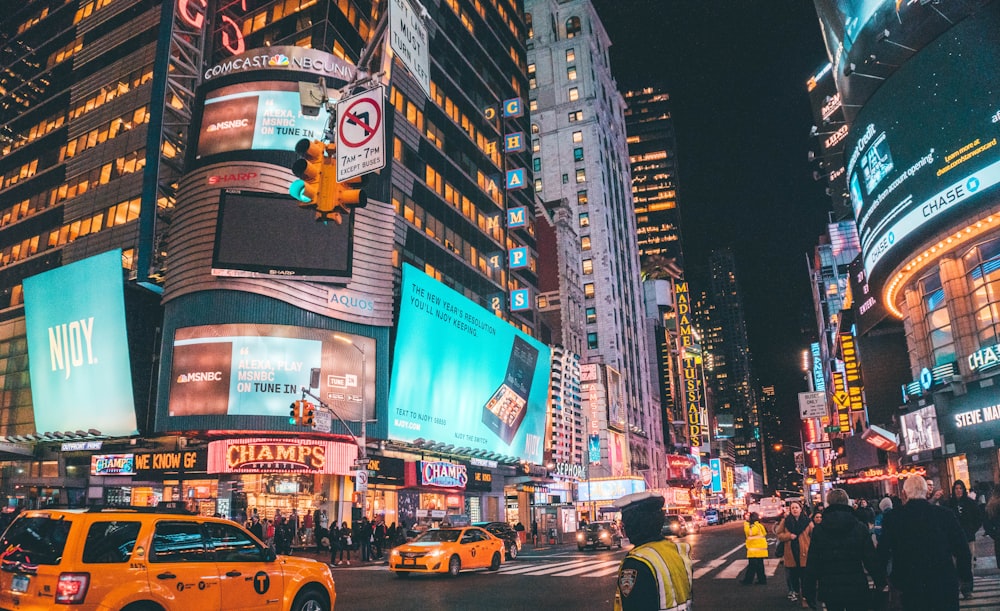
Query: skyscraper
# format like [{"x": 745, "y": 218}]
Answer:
[
  {"x": 731, "y": 376},
  {"x": 580, "y": 156}
]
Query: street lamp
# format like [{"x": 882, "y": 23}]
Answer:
[
  {"x": 363, "y": 445},
  {"x": 778, "y": 447}
]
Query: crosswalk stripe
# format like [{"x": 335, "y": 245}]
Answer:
[
  {"x": 524, "y": 569},
  {"x": 595, "y": 567},
  {"x": 737, "y": 566},
  {"x": 710, "y": 566},
  {"x": 605, "y": 572}
]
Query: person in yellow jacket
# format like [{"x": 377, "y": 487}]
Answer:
[
  {"x": 656, "y": 574},
  {"x": 756, "y": 536}
]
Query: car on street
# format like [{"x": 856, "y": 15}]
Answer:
[
  {"x": 692, "y": 523},
  {"x": 448, "y": 550},
  {"x": 674, "y": 526},
  {"x": 598, "y": 534},
  {"x": 711, "y": 517},
  {"x": 99, "y": 559},
  {"x": 506, "y": 532}
]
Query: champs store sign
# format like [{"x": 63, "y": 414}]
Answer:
[{"x": 281, "y": 456}]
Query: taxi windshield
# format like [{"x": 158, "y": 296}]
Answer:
[
  {"x": 438, "y": 536},
  {"x": 596, "y": 526},
  {"x": 33, "y": 541}
]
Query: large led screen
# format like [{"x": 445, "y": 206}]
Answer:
[
  {"x": 463, "y": 377},
  {"x": 920, "y": 430},
  {"x": 247, "y": 369},
  {"x": 262, "y": 115},
  {"x": 923, "y": 153},
  {"x": 78, "y": 358},
  {"x": 269, "y": 235}
]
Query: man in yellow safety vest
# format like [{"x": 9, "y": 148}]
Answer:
[{"x": 656, "y": 574}]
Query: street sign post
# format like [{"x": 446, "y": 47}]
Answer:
[
  {"x": 812, "y": 446},
  {"x": 408, "y": 40},
  {"x": 322, "y": 421},
  {"x": 360, "y": 134},
  {"x": 812, "y": 405}
]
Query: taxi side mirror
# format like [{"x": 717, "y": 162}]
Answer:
[{"x": 270, "y": 555}]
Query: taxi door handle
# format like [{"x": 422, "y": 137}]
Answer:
[
  {"x": 233, "y": 574},
  {"x": 166, "y": 576}
]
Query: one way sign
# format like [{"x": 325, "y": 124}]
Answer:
[{"x": 812, "y": 446}]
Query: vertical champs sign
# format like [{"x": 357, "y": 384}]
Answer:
[{"x": 689, "y": 364}]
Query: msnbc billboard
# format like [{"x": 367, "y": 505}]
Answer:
[
  {"x": 923, "y": 152},
  {"x": 257, "y": 370},
  {"x": 263, "y": 115},
  {"x": 463, "y": 377},
  {"x": 78, "y": 357}
]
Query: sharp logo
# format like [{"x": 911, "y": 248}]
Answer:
[
  {"x": 200, "y": 376},
  {"x": 234, "y": 177},
  {"x": 71, "y": 345}
]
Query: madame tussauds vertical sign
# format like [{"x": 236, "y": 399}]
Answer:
[{"x": 689, "y": 363}]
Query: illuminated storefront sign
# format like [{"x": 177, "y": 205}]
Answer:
[
  {"x": 852, "y": 376},
  {"x": 986, "y": 358},
  {"x": 841, "y": 401},
  {"x": 281, "y": 456},
  {"x": 685, "y": 463},
  {"x": 690, "y": 364},
  {"x": 151, "y": 463},
  {"x": 716, "y": 482},
  {"x": 881, "y": 474},
  {"x": 570, "y": 471},
  {"x": 443, "y": 474},
  {"x": 112, "y": 464},
  {"x": 819, "y": 382}
]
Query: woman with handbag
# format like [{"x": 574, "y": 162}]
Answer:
[{"x": 795, "y": 531}]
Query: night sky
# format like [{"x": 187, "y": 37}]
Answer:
[{"x": 736, "y": 71}]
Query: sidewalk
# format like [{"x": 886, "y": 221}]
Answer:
[{"x": 986, "y": 562}]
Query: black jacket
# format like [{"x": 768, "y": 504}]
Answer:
[
  {"x": 970, "y": 516},
  {"x": 839, "y": 553},
  {"x": 928, "y": 550}
]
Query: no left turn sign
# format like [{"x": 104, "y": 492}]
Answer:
[{"x": 360, "y": 134}]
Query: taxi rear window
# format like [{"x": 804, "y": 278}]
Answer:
[
  {"x": 110, "y": 542},
  {"x": 34, "y": 540}
]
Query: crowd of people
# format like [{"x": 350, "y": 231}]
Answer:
[{"x": 917, "y": 549}]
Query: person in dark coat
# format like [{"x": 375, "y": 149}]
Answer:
[
  {"x": 864, "y": 513},
  {"x": 840, "y": 552},
  {"x": 257, "y": 528},
  {"x": 970, "y": 516},
  {"x": 931, "y": 562},
  {"x": 991, "y": 521}
]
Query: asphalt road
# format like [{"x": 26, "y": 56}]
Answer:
[{"x": 561, "y": 578}]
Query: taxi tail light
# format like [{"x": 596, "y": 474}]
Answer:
[{"x": 72, "y": 588}]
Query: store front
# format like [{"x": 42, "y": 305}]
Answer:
[
  {"x": 271, "y": 475},
  {"x": 145, "y": 479},
  {"x": 386, "y": 476}
]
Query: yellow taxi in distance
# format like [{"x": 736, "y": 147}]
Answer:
[
  {"x": 448, "y": 550},
  {"x": 134, "y": 560}
]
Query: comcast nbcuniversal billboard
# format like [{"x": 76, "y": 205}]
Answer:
[{"x": 464, "y": 377}]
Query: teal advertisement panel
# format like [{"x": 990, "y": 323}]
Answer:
[
  {"x": 78, "y": 359},
  {"x": 259, "y": 369},
  {"x": 463, "y": 377}
]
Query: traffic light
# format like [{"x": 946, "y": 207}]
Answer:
[
  {"x": 309, "y": 168},
  {"x": 294, "y": 416},
  {"x": 349, "y": 194},
  {"x": 308, "y": 417}
]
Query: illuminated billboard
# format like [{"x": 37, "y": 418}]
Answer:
[
  {"x": 264, "y": 235},
  {"x": 608, "y": 489},
  {"x": 920, "y": 430},
  {"x": 254, "y": 116},
  {"x": 78, "y": 358},
  {"x": 914, "y": 169},
  {"x": 239, "y": 370},
  {"x": 463, "y": 377}
]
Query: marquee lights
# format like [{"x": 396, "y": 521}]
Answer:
[{"x": 919, "y": 262}]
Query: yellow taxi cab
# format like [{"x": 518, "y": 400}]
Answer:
[
  {"x": 448, "y": 550},
  {"x": 132, "y": 560}
]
